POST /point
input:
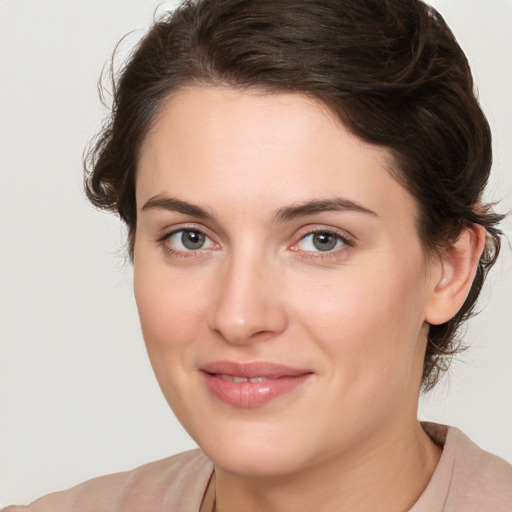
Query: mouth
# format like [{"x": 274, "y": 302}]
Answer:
[{"x": 253, "y": 384}]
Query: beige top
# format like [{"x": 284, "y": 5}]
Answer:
[{"x": 467, "y": 479}]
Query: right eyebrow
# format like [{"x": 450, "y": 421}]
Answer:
[{"x": 176, "y": 205}]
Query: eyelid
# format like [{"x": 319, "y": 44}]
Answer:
[
  {"x": 322, "y": 228},
  {"x": 186, "y": 226}
]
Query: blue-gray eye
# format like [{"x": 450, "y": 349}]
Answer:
[
  {"x": 189, "y": 240},
  {"x": 321, "y": 241}
]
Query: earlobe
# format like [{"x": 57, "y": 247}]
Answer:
[{"x": 458, "y": 264}]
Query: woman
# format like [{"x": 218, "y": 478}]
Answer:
[{"x": 302, "y": 188}]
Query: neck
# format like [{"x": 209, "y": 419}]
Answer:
[{"x": 388, "y": 473}]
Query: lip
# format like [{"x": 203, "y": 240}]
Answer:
[{"x": 224, "y": 379}]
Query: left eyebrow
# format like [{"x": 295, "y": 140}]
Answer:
[{"x": 337, "y": 204}]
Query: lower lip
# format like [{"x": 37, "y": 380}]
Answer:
[{"x": 252, "y": 394}]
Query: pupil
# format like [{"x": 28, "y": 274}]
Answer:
[
  {"x": 324, "y": 241},
  {"x": 192, "y": 239}
]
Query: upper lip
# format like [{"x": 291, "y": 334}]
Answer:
[{"x": 252, "y": 370}]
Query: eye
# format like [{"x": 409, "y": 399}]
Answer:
[
  {"x": 186, "y": 240},
  {"x": 321, "y": 241}
]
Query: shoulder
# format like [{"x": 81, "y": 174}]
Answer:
[
  {"x": 479, "y": 476},
  {"x": 179, "y": 480},
  {"x": 467, "y": 478}
]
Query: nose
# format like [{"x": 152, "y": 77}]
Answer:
[{"x": 248, "y": 305}]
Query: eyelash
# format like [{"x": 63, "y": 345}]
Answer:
[{"x": 346, "y": 241}]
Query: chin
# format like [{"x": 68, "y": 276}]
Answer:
[
  {"x": 256, "y": 453},
  {"x": 271, "y": 463}
]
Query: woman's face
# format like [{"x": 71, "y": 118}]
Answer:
[{"x": 280, "y": 280}]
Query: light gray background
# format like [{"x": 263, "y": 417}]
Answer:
[{"x": 77, "y": 395}]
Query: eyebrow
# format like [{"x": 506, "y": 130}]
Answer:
[
  {"x": 336, "y": 204},
  {"x": 304, "y": 209},
  {"x": 176, "y": 205}
]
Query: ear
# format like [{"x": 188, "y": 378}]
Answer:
[{"x": 456, "y": 270}]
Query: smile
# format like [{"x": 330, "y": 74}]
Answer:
[{"x": 251, "y": 385}]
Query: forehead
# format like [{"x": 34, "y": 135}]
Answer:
[{"x": 216, "y": 144}]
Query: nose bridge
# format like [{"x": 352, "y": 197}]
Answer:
[{"x": 247, "y": 304}]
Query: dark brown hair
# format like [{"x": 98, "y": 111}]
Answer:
[{"x": 390, "y": 69}]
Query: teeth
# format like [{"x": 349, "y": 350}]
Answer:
[{"x": 232, "y": 378}]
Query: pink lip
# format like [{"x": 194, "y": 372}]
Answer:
[{"x": 278, "y": 380}]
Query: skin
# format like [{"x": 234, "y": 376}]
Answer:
[{"x": 260, "y": 290}]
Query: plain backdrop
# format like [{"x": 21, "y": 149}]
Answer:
[{"x": 77, "y": 395}]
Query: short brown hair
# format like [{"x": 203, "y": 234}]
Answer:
[{"x": 390, "y": 69}]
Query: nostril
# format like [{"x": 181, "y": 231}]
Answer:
[{"x": 246, "y": 309}]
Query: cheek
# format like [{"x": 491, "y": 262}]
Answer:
[
  {"x": 170, "y": 308},
  {"x": 368, "y": 320},
  {"x": 170, "y": 311}
]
